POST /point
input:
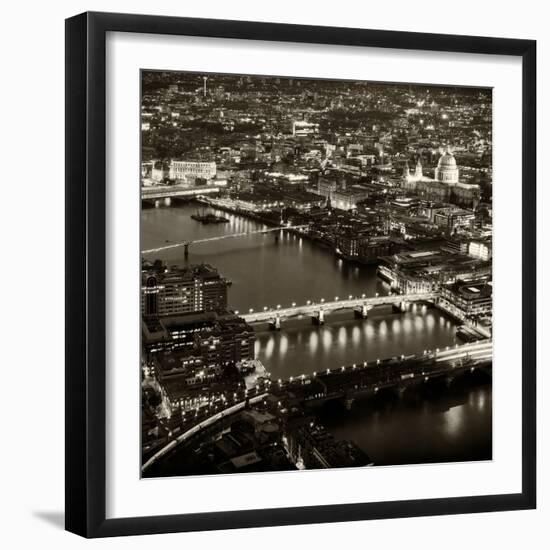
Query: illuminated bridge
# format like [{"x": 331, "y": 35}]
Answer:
[
  {"x": 363, "y": 379},
  {"x": 187, "y": 244},
  {"x": 318, "y": 310},
  {"x": 345, "y": 383},
  {"x": 158, "y": 192}
]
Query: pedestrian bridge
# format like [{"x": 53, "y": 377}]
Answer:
[{"x": 187, "y": 244}]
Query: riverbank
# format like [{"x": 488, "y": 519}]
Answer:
[{"x": 270, "y": 221}]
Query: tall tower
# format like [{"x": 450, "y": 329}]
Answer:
[
  {"x": 328, "y": 205},
  {"x": 418, "y": 169},
  {"x": 406, "y": 171},
  {"x": 204, "y": 79}
]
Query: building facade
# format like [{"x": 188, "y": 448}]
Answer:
[
  {"x": 175, "y": 291},
  {"x": 453, "y": 219},
  {"x": 427, "y": 270},
  {"x": 363, "y": 248},
  {"x": 301, "y": 128},
  {"x": 189, "y": 171},
  {"x": 469, "y": 299},
  {"x": 481, "y": 249},
  {"x": 445, "y": 186},
  {"x": 340, "y": 194}
]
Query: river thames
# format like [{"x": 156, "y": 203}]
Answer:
[{"x": 437, "y": 424}]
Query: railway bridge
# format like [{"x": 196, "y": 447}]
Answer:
[{"x": 359, "y": 380}]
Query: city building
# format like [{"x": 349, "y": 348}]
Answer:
[
  {"x": 427, "y": 270},
  {"x": 183, "y": 171},
  {"x": 317, "y": 170},
  {"x": 340, "y": 194},
  {"x": 312, "y": 447},
  {"x": 481, "y": 249},
  {"x": 175, "y": 291},
  {"x": 468, "y": 299},
  {"x": 301, "y": 128},
  {"x": 230, "y": 341},
  {"x": 203, "y": 339},
  {"x": 445, "y": 186},
  {"x": 458, "y": 244},
  {"x": 362, "y": 247},
  {"x": 453, "y": 219}
]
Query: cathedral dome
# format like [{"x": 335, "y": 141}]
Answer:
[
  {"x": 447, "y": 170},
  {"x": 447, "y": 161}
]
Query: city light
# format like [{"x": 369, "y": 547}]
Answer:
[{"x": 258, "y": 188}]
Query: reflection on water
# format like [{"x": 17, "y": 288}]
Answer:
[
  {"x": 432, "y": 424},
  {"x": 264, "y": 272},
  {"x": 302, "y": 348},
  {"x": 435, "y": 424}
]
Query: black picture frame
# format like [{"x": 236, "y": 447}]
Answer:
[{"x": 86, "y": 278}]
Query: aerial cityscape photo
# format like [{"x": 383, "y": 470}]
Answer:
[{"x": 316, "y": 274}]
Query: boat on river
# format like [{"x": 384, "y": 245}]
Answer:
[{"x": 209, "y": 218}]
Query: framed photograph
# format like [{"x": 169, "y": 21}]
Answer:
[{"x": 300, "y": 274}]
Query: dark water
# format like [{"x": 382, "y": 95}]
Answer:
[
  {"x": 264, "y": 272},
  {"x": 436, "y": 424},
  {"x": 302, "y": 348}
]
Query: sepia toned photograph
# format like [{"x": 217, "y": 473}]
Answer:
[{"x": 316, "y": 274}]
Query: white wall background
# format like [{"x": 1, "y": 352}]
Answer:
[{"x": 32, "y": 234}]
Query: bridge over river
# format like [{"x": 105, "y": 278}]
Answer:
[
  {"x": 317, "y": 310},
  {"x": 167, "y": 192},
  {"x": 350, "y": 382},
  {"x": 188, "y": 243},
  {"x": 345, "y": 383}
]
